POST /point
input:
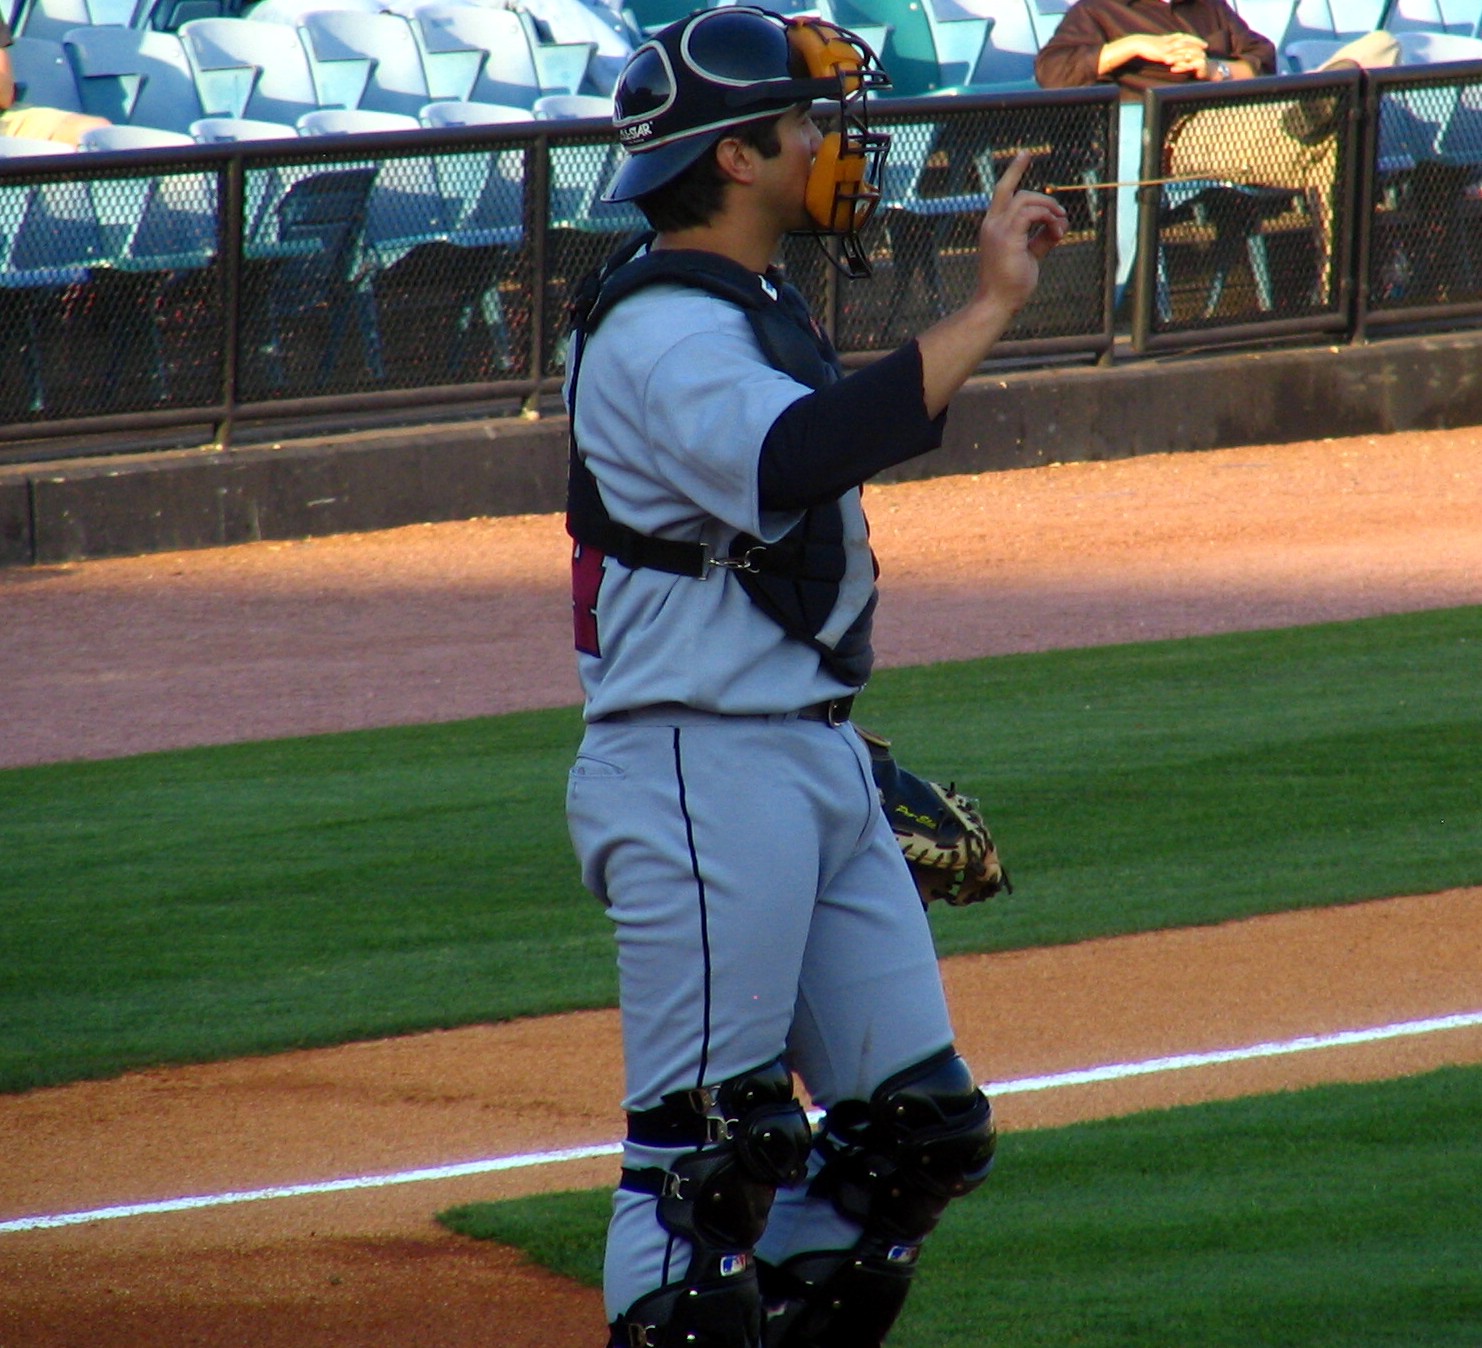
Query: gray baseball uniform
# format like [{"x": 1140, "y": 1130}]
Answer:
[{"x": 761, "y": 905}]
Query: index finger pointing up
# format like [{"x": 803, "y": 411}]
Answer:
[{"x": 1010, "y": 178}]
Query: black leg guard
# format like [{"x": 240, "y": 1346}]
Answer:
[
  {"x": 891, "y": 1164},
  {"x": 836, "y": 1298},
  {"x": 751, "y": 1135},
  {"x": 725, "y": 1313}
]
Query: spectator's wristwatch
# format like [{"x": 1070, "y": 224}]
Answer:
[{"x": 1218, "y": 69}]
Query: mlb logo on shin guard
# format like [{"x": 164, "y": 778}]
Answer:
[
  {"x": 732, "y": 1264},
  {"x": 903, "y": 1254}
]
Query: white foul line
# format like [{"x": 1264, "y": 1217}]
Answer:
[{"x": 529, "y": 1160}]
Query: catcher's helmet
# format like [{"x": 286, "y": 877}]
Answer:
[{"x": 695, "y": 80}]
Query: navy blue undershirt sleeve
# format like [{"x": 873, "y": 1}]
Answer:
[{"x": 841, "y": 436}]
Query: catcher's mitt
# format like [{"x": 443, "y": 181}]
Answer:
[{"x": 941, "y": 833}]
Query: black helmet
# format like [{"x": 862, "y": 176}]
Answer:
[{"x": 717, "y": 69}]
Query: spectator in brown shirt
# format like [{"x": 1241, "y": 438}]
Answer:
[
  {"x": 1139, "y": 44},
  {"x": 1144, "y": 44}
]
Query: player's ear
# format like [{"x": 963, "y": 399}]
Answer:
[{"x": 736, "y": 159}]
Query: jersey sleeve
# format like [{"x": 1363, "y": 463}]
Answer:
[{"x": 706, "y": 400}]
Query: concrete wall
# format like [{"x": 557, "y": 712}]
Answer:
[{"x": 128, "y": 504}]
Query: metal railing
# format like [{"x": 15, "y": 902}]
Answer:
[{"x": 205, "y": 290}]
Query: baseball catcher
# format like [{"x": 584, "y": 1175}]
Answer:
[{"x": 946, "y": 844}]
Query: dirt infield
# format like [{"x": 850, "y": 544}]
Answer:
[{"x": 446, "y": 621}]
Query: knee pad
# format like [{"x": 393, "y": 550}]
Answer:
[
  {"x": 893, "y": 1163},
  {"x": 751, "y": 1136}
]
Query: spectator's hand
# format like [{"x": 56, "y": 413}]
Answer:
[{"x": 1182, "y": 53}]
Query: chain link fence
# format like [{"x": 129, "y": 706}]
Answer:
[
  {"x": 1247, "y": 208},
  {"x": 110, "y": 293},
  {"x": 260, "y": 281},
  {"x": 938, "y": 178},
  {"x": 1421, "y": 256}
]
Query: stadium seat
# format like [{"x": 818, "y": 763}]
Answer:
[
  {"x": 462, "y": 112},
  {"x": 1421, "y": 48},
  {"x": 255, "y": 70},
  {"x": 570, "y": 21},
  {"x": 223, "y": 130},
  {"x": 379, "y": 53},
  {"x": 924, "y": 54},
  {"x": 1307, "y": 54},
  {"x": 43, "y": 75},
  {"x": 559, "y": 107},
  {"x": 1346, "y": 19},
  {"x": 353, "y": 121},
  {"x": 1462, "y": 18},
  {"x": 648, "y": 16},
  {"x": 102, "y": 139},
  {"x": 493, "y": 46},
  {"x": 1007, "y": 57},
  {"x": 52, "y": 19},
  {"x": 24, "y": 147},
  {"x": 915, "y": 219},
  {"x": 1422, "y": 16},
  {"x": 307, "y": 265},
  {"x": 1275, "y": 20},
  {"x": 291, "y": 12},
  {"x": 134, "y": 76},
  {"x": 1045, "y": 15}
]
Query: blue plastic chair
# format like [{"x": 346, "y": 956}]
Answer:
[
  {"x": 255, "y": 70},
  {"x": 489, "y": 46},
  {"x": 53, "y": 19},
  {"x": 464, "y": 112},
  {"x": 1018, "y": 30},
  {"x": 1422, "y": 16},
  {"x": 924, "y": 54},
  {"x": 377, "y": 53},
  {"x": 265, "y": 184},
  {"x": 1045, "y": 15},
  {"x": 226, "y": 130},
  {"x": 1346, "y": 19},
  {"x": 354, "y": 121},
  {"x": 43, "y": 75},
  {"x": 1424, "y": 48},
  {"x": 613, "y": 36},
  {"x": 291, "y": 12},
  {"x": 572, "y": 107},
  {"x": 498, "y": 52},
  {"x": 134, "y": 76},
  {"x": 1275, "y": 20},
  {"x": 914, "y": 219},
  {"x": 307, "y": 257},
  {"x": 1307, "y": 54}
]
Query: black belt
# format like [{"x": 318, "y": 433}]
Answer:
[{"x": 833, "y": 712}]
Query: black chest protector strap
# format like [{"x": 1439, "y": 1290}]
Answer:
[{"x": 794, "y": 580}]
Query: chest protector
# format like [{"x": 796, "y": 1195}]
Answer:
[{"x": 796, "y": 580}]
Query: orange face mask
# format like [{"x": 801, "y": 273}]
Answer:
[{"x": 843, "y": 188}]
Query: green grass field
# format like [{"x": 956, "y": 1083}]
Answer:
[{"x": 192, "y": 906}]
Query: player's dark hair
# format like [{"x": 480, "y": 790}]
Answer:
[{"x": 695, "y": 196}]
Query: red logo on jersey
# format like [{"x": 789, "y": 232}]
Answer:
[{"x": 586, "y": 581}]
